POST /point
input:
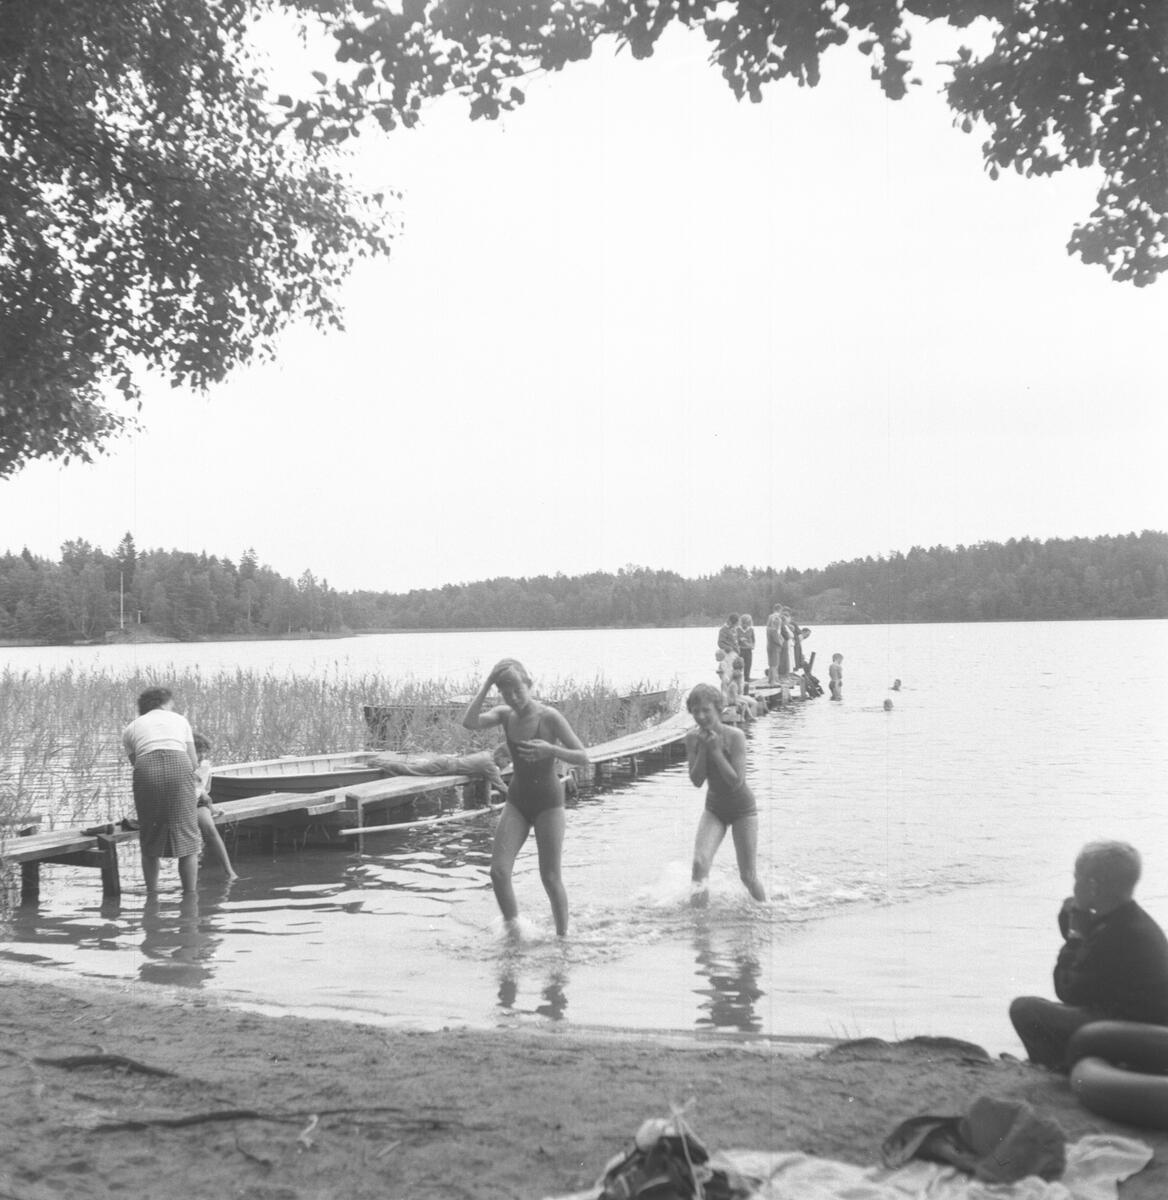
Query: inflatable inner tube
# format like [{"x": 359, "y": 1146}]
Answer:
[{"x": 1121, "y": 1071}]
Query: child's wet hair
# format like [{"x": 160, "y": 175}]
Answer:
[
  {"x": 701, "y": 694},
  {"x": 512, "y": 666},
  {"x": 202, "y": 745}
]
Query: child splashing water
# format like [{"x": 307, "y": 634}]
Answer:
[
  {"x": 716, "y": 755},
  {"x": 536, "y": 736}
]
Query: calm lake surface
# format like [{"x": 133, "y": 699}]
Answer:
[{"x": 915, "y": 858}]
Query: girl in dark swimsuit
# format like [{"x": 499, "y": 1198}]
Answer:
[
  {"x": 716, "y": 755},
  {"x": 536, "y": 736}
]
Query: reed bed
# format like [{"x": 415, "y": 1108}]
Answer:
[{"x": 61, "y": 758}]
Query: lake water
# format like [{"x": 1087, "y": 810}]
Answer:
[{"x": 915, "y": 858}]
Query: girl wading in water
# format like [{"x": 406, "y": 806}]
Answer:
[
  {"x": 536, "y": 736},
  {"x": 716, "y": 755}
]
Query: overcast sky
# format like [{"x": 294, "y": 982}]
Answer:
[{"x": 638, "y": 322}]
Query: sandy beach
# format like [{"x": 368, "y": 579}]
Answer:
[{"x": 215, "y": 1102}]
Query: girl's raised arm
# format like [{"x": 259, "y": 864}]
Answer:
[{"x": 474, "y": 717}]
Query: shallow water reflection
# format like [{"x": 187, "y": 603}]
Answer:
[{"x": 731, "y": 981}]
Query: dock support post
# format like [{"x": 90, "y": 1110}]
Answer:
[
  {"x": 30, "y": 882},
  {"x": 111, "y": 881}
]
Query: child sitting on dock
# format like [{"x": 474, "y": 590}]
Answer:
[
  {"x": 207, "y": 812},
  {"x": 734, "y": 698},
  {"x": 716, "y": 755},
  {"x": 724, "y": 668}
]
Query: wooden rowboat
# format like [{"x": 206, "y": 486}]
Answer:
[{"x": 311, "y": 773}]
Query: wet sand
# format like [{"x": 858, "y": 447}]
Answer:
[{"x": 283, "y": 1108}]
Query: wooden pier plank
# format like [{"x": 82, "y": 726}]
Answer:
[
  {"x": 255, "y": 807},
  {"x": 404, "y": 787},
  {"x": 666, "y": 733}
]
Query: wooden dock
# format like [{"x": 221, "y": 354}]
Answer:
[
  {"x": 348, "y": 809},
  {"x": 657, "y": 740},
  {"x": 775, "y": 695}
]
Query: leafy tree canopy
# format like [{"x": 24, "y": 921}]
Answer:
[
  {"x": 151, "y": 215},
  {"x": 1064, "y": 83}
]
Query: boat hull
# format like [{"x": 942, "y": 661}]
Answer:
[{"x": 322, "y": 773}]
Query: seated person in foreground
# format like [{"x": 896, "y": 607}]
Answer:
[
  {"x": 1113, "y": 964},
  {"x": 484, "y": 762}
]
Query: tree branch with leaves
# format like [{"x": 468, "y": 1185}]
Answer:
[
  {"x": 1064, "y": 83},
  {"x": 152, "y": 215}
]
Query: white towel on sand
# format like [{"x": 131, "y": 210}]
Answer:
[{"x": 1096, "y": 1165}]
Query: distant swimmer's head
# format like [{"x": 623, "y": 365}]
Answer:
[
  {"x": 1106, "y": 874},
  {"x": 896, "y": 685},
  {"x": 888, "y": 706},
  {"x": 704, "y": 696}
]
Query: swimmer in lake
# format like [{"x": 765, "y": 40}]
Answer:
[
  {"x": 835, "y": 677},
  {"x": 716, "y": 756},
  {"x": 536, "y": 736}
]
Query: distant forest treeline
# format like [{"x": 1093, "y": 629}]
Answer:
[{"x": 175, "y": 594}]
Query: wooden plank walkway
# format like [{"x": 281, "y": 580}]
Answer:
[
  {"x": 787, "y": 688},
  {"x": 643, "y": 741}
]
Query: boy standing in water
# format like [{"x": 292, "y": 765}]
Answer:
[
  {"x": 835, "y": 675},
  {"x": 716, "y": 755}
]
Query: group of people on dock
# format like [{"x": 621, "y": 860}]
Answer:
[{"x": 784, "y": 642}]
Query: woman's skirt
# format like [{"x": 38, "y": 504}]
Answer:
[{"x": 164, "y": 797}]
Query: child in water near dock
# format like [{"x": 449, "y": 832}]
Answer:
[
  {"x": 536, "y": 736},
  {"x": 835, "y": 675},
  {"x": 207, "y": 812},
  {"x": 716, "y": 756}
]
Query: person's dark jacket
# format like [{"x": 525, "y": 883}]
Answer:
[{"x": 1118, "y": 967}]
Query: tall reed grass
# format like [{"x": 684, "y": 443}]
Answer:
[{"x": 61, "y": 756}]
